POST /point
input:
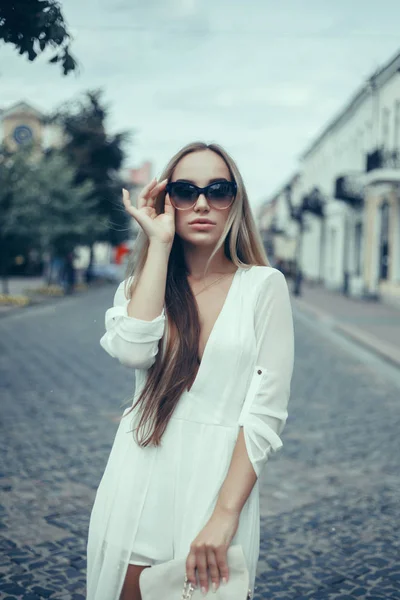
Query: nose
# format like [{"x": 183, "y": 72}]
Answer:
[{"x": 201, "y": 203}]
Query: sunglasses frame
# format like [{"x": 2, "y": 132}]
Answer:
[{"x": 204, "y": 191}]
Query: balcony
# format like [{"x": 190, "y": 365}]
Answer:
[
  {"x": 383, "y": 159},
  {"x": 349, "y": 189},
  {"x": 313, "y": 203},
  {"x": 382, "y": 166}
]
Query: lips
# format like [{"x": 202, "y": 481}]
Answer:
[{"x": 201, "y": 221}]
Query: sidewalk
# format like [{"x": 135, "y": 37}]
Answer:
[
  {"x": 18, "y": 285},
  {"x": 374, "y": 325},
  {"x": 31, "y": 287}
]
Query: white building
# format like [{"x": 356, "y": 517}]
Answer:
[
  {"x": 278, "y": 228},
  {"x": 347, "y": 199},
  {"x": 22, "y": 123}
]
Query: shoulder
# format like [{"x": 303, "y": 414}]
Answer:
[
  {"x": 259, "y": 276},
  {"x": 266, "y": 285}
]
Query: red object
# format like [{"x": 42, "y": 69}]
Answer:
[
  {"x": 141, "y": 175},
  {"x": 120, "y": 252}
]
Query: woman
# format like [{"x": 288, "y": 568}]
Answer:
[{"x": 207, "y": 325}]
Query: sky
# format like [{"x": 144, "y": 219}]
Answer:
[{"x": 260, "y": 77}]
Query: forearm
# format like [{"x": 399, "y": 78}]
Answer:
[
  {"x": 239, "y": 481},
  {"x": 148, "y": 294}
]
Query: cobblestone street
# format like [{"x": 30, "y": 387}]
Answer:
[{"x": 330, "y": 499}]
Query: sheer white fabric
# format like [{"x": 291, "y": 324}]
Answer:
[
  {"x": 264, "y": 411},
  {"x": 133, "y": 341},
  {"x": 154, "y": 501}
]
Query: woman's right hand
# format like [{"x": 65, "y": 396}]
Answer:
[{"x": 159, "y": 228}]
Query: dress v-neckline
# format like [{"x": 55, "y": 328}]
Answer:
[{"x": 212, "y": 332}]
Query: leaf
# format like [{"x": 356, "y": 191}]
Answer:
[{"x": 69, "y": 63}]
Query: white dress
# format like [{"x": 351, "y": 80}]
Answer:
[{"x": 154, "y": 501}]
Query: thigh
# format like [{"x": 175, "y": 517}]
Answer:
[{"x": 131, "y": 589}]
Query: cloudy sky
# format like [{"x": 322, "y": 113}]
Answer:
[{"x": 261, "y": 77}]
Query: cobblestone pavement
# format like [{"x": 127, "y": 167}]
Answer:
[{"x": 330, "y": 498}]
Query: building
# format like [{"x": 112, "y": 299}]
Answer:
[
  {"x": 22, "y": 123},
  {"x": 278, "y": 228},
  {"x": 346, "y": 200}
]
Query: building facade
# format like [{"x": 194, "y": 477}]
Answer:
[
  {"x": 21, "y": 123},
  {"x": 347, "y": 197}
]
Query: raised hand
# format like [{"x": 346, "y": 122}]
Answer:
[{"x": 160, "y": 228}]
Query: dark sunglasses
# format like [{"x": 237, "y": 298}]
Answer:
[{"x": 219, "y": 194}]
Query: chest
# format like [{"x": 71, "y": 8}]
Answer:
[{"x": 209, "y": 306}]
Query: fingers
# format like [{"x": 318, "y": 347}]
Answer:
[
  {"x": 201, "y": 563},
  {"x": 126, "y": 199},
  {"x": 211, "y": 563},
  {"x": 190, "y": 568},
  {"x": 147, "y": 188},
  {"x": 168, "y": 208},
  {"x": 222, "y": 562},
  {"x": 150, "y": 192},
  {"x": 213, "y": 568}
]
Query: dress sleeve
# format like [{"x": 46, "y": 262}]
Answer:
[
  {"x": 264, "y": 411},
  {"x": 134, "y": 342}
]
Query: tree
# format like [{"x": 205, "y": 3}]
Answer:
[
  {"x": 41, "y": 204},
  {"x": 97, "y": 157},
  {"x": 34, "y": 25}
]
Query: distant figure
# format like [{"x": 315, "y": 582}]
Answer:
[
  {"x": 298, "y": 278},
  {"x": 68, "y": 273}
]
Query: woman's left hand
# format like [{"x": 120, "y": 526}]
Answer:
[{"x": 209, "y": 549}]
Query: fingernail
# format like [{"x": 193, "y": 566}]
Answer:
[
  {"x": 224, "y": 580},
  {"x": 214, "y": 587},
  {"x": 203, "y": 591}
]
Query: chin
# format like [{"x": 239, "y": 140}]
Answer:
[{"x": 200, "y": 240}]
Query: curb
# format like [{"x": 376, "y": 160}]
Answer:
[
  {"x": 384, "y": 350},
  {"x": 49, "y": 300}
]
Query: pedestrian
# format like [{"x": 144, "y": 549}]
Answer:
[
  {"x": 68, "y": 273},
  {"x": 213, "y": 359}
]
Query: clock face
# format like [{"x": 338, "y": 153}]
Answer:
[{"x": 22, "y": 134}]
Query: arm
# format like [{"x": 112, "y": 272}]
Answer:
[
  {"x": 264, "y": 411},
  {"x": 134, "y": 327}
]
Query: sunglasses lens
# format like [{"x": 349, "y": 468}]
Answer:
[
  {"x": 221, "y": 194},
  {"x": 182, "y": 195}
]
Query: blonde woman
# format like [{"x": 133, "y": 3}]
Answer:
[{"x": 206, "y": 323}]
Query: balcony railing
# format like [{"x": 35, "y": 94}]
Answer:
[
  {"x": 383, "y": 159},
  {"x": 313, "y": 203},
  {"x": 349, "y": 189}
]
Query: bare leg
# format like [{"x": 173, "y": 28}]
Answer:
[{"x": 130, "y": 589}]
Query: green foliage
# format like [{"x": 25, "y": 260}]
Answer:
[
  {"x": 97, "y": 157},
  {"x": 41, "y": 206},
  {"x": 34, "y": 25}
]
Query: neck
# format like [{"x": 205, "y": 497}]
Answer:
[{"x": 196, "y": 259}]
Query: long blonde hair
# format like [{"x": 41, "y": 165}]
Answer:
[{"x": 175, "y": 370}]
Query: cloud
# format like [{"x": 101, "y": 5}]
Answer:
[{"x": 261, "y": 78}]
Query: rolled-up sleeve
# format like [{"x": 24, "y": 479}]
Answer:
[
  {"x": 264, "y": 411},
  {"x": 134, "y": 342}
]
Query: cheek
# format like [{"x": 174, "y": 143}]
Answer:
[{"x": 179, "y": 222}]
